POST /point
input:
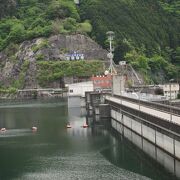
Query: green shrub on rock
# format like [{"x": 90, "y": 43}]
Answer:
[{"x": 49, "y": 71}]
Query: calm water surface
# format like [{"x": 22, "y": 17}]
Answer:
[{"x": 54, "y": 152}]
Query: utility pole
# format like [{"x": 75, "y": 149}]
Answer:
[{"x": 110, "y": 55}]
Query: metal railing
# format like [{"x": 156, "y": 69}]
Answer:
[
  {"x": 162, "y": 124},
  {"x": 153, "y": 105}
]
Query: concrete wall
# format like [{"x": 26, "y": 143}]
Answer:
[
  {"x": 118, "y": 84},
  {"x": 159, "y": 138},
  {"x": 165, "y": 142},
  {"x": 127, "y": 121},
  {"x": 79, "y": 89},
  {"x": 136, "y": 126},
  {"x": 148, "y": 133},
  {"x": 177, "y": 148},
  {"x": 149, "y": 148},
  {"x": 165, "y": 159},
  {"x": 74, "y": 102},
  {"x": 104, "y": 110}
]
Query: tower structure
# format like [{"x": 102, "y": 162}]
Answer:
[{"x": 110, "y": 55}]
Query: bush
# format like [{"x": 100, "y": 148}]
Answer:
[
  {"x": 35, "y": 19},
  {"x": 10, "y": 90},
  {"x": 53, "y": 70},
  {"x": 17, "y": 33},
  {"x": 70, "y": 24},
  {"x": 85, "y": 27},
  {"x": 61, "y": 10},
  {"x": 43, "y": 44},
  {"x": 11, "y": 49},
  {"x": 39, "y": 57}
]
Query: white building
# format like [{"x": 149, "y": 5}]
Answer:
[
  {"x": 79, "y": 89},
  {"x": 118, "y": 84},
  {"x": 171, "y": 90}
]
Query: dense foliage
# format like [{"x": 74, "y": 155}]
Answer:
[
  {"x": 146, "y": 28},
  {"x": 37, "y": 18},
  {"x": 10, "y": 90},
  {"x": 171, "y": 6},
  {"x": 49, "y": 71},
  {"x": 146, "y": 31}
]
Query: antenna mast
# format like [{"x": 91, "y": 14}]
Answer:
[{"x": 110, "y": 55}]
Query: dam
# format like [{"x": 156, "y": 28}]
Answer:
[{"x": 152, "y": 127}]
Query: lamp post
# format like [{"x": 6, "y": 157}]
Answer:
[
  {"x": 110, "y": 55},
  {"x": 170, "y": 81}
]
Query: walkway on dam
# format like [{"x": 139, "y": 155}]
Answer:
[{"x": 164, "y": 112}]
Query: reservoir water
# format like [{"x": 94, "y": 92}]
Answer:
[{"x": 55, "y": 152}]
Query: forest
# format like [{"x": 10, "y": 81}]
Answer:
[{"x": 146, "y": 31}]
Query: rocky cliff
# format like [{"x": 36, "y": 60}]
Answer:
[{"x": 18, "y": 63}]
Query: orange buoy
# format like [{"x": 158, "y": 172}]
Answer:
[
  {"x": 85, "y": 125},
  {"x": 69, "y": 126},
  {"x": 34, "y": 128},
  {"x": 3, "y": 129}
]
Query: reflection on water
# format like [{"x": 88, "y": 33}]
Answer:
[
  {"x": 76, "y": 117},
  {"x": 160, "y": 160},
  {"x": 127, "y": 156},
  {"x": 16, "y": 132},
  {"x": 55, "y": 152}
]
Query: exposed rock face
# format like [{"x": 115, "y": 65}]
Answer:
[
  {"x": 57, "y": 46},
  {"x": 30, "y": 78},
  {"x": 54, "y": 48}
]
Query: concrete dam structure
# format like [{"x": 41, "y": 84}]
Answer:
[{"x": 153, "y": 127}]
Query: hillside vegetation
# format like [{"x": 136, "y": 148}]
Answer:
[
  {"x": 52, "y": 71},
  {"x": 35, "y": 18},
  {"x": 146, "y": 31}
]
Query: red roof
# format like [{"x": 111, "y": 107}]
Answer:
[{"x": 102, "y": 82}]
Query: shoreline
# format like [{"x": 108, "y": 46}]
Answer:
[{"x": 34, "y": 94}]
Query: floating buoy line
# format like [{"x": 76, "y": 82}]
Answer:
[
  {"x": 34, "y": 129},
  {"x": 85, "y": 125},
  {"x": 3, "y": 129}
]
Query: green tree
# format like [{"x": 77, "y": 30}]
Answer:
[
  {"x": 85, "y": 27},
  {"x": 17, "y": 33},
  {"x": 70, "y": 24}
]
